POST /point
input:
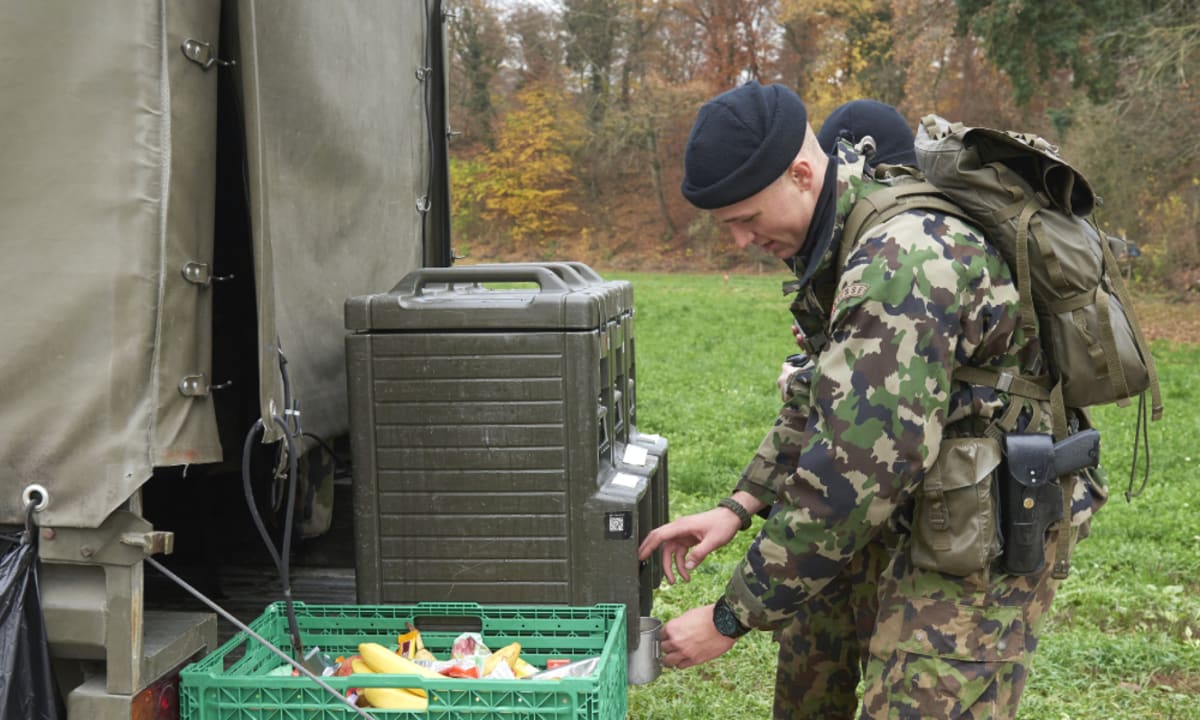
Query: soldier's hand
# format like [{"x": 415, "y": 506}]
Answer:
[
  {"x": 785, "y": 372},
  {"x": 687, "y": 541},
  {"x": 691, "y": 639}
]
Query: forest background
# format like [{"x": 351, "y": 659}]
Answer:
[{"x": 569, "y": 117}]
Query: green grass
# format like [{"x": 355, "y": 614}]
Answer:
[{"x": 1123, "y": 637}]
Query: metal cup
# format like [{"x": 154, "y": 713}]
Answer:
[{"x": 645, "y": 663}]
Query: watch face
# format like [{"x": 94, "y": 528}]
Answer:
[{"x": 726, "y": 622}]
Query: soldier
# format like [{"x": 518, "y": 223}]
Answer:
[
  {"x": 887, "y": 318},
  {"x": 858, "y": 119}
]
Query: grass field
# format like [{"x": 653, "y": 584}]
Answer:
[{"x": 1123, "y": 640}]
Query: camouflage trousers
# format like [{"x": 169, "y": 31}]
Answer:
[{"x": 928, "y": 645}]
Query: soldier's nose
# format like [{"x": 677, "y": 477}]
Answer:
[{"x": 742, "y": 237}]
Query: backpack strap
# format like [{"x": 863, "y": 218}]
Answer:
[
  {"x": 888, "y": 202},
  {"x": 1066, "y": 533},
  {"x": 1156, "y": 403},
  {"x": 1029, "y": 387},
  {"x": 1122, "y": 291},
  {"x": 1024, "y": 282},
  {"x": 1026, "y": 386}
]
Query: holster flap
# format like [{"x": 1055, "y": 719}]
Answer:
[{"x": 1030, "y": 458}]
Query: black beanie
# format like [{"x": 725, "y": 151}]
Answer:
[
  {"x": 742, "y": 141},
  {"x": 859, "y": 118}
]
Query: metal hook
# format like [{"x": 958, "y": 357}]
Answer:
[
  {"x": 199, "y": 273},
  {"x": 198, "y": 386},
  {"x": 202, "y": 54}
]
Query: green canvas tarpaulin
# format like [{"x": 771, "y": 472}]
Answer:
[{"x": 107, "y": 203}]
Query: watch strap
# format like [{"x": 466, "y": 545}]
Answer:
[{"x": 738, "y": 509}]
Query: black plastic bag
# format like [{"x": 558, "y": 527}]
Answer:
[{"x": 27, "y": 687}]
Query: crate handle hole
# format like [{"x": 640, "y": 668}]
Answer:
[{"x": 448, "y": 623}]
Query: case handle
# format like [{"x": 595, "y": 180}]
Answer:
[
  {"x": 585, "y": 270},
  {"x": 570, "y": 275},
  {"x": 414, "y": 283}
]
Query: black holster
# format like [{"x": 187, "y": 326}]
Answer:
[{"x": 1031, "y": 499}]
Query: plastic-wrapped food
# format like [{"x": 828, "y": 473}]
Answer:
[
  {"x": 522, "y": 669},
  {"x": 504, "y": 657},
  {"x": 469, "y": 644},
  {"x": 466, "y": 667},
  {"x": 410, "y": 642},
  {"x": 579, "y": 668}
]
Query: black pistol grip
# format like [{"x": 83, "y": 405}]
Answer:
[{"x": 1076, "y": 452}]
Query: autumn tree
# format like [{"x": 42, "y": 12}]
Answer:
[
  {"x": 538, "y": 44},
  {"x": 1111, "y": 81},
  {"x": 1140, "y": 148},
  {"x": 643, "y": 23},
  {"x": 529, "y": 173},
  {"x": 840, "y": 50},
  {"x": 802, "y": 51},
  {"x": 948, "y": 73},
  {"x": 1157, "y": 95},
  {"x": 593, "y": 29},
  {"x": 477, "y": 43},
  {"x": 735, "y": 38},
  {"x": 628, "y": 155}
]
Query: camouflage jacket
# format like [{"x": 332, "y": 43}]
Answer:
[{"x": 920, "y": 295}]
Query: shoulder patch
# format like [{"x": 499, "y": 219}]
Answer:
[{"x": 853, "y": 290}]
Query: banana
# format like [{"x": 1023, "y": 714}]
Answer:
[
  {"x": 382, "y": 660},
  {"x": 507, "y": 654},
  {"x": 390, "y": 698},
  {"x": 523, "y": 669}
]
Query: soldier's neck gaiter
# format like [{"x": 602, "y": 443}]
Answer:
[{"x": 819, "y": 242}]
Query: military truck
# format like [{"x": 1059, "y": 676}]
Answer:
[{"x": 191, "y": 190}]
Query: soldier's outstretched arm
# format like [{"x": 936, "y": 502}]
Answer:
[{"x": 686, "y": 541}]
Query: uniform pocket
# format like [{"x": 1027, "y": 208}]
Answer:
[
  {"x": 954, "y": 521},
  {"x": 947, "y": 660}
]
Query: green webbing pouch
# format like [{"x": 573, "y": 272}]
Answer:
[{"x": 954, "y": 523}]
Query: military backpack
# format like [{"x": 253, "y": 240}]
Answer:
[{"x": 1036, "y": 210}]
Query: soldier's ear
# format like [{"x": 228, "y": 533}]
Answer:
[{"x": 802, "y": 173}]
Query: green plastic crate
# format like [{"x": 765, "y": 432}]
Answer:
[{"x": 224, "y": 686}]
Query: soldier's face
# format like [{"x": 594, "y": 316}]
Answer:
[{"x": 775, "y": 219}]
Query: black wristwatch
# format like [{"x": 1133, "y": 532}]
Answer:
[{"x": 726, "y": 622}]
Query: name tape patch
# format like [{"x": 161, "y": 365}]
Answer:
[{"x": 853, "y": 290}]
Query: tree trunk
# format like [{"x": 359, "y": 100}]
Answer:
[{"x": 669, "y": 229}]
